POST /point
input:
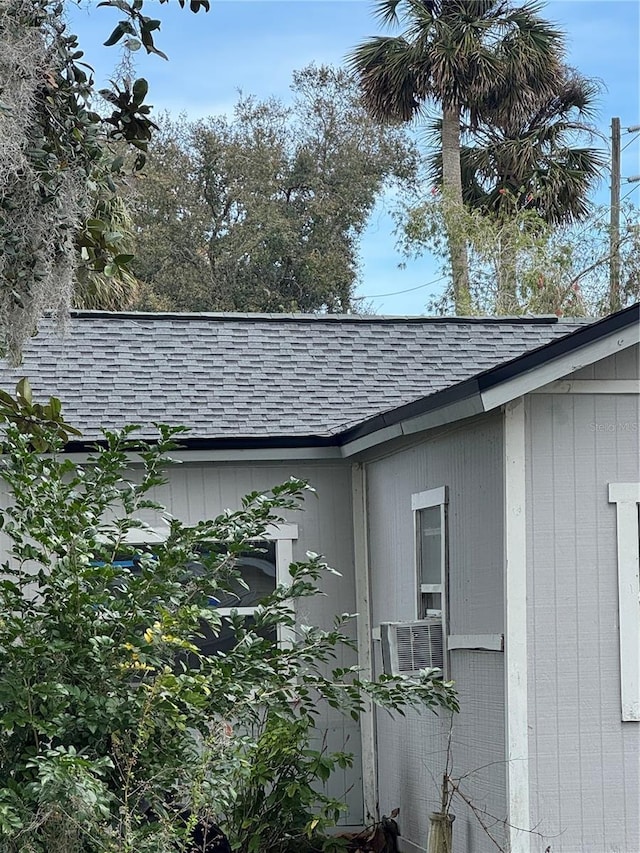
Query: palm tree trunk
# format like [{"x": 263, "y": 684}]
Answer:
[{"x": 452, "y": 191}]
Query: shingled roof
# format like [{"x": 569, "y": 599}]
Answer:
[{"x": 256, "y": 376}]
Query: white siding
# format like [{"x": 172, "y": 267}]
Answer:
[
  {"x": 584, "y": 762},
  {"x": 412, "y": 751}
]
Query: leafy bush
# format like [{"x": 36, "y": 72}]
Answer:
[{"x": 113, "y": 723}]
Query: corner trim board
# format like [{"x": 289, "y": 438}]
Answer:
[
  {"x": 515, "y": 592},
  {"x": 364, "y": 638}
]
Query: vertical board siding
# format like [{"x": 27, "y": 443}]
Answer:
[
  {"x": 196, "y": 492},
  {"x": 412, "y": 752},
  {"x": 584, "y": 761}
]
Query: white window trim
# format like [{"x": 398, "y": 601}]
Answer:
[
  {"x": 626, "y": 497},
  {"x": 438, "y": 497}
]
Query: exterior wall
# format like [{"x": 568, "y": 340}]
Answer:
[
  {"x": 412, "y": 752},
  {"x": 196, "y": 492},
  {"x": 584, "y": 761}
]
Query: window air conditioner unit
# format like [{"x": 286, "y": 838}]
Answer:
[{"x": 408, "y": 647}]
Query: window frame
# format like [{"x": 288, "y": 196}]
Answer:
[
  {"x": 438, "y": 497},
  {"x": 284, "y": 535}
]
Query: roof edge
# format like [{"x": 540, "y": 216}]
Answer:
[
  {"x": 542, "y": 319},
  {"x": 467, "y": 391},
  {"x": 183, "y": 442},
  {"x": 473, "y": 389},
  {"x": 562, "y": 346}
]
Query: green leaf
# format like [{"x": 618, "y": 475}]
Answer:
[
  {"x": 140, "y": 89},
  {"x": 115, "y": 36},
  {"x": 55, "y": 406},
  {"x": 23, "y": 389}
]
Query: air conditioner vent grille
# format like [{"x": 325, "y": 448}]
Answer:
[{"x": 408, "y": 647}]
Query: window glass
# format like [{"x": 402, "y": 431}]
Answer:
[
  {"x": 430, "y": 545},
  {"x": 258, "y": 571},
  {"x": 210, "y": 644}
]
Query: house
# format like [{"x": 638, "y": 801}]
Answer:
[{"x": 480, "y": 477}]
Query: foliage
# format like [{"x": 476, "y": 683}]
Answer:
[
  {"x": 281, "y": 778},
  {"x": 557, "y": 269},
  {"x": 58, "y": 170},
  {"x": 116, "y": 731},
  {"x": 472, "y": 58},
  {"x": 263, "y": 212},
  {"x": 539, "y": 159},
  {"x": 473, "y": 55},
  {"x": 105, "y": 242},
  {"x": 39, "y": 422},
  {"x": 515, "y": 164}
]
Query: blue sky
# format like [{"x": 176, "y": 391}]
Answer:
[{"x": 255, "y": 45}]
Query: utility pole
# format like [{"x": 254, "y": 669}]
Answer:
[{"x": 614, "y": 246}]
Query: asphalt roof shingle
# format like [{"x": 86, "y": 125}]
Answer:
[{"x": 259, "y": 376}]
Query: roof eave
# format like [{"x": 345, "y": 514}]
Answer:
[{"x": 499, "y": 385}]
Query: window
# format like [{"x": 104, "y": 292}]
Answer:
[
  {"x": 262, "y": 569},
  {"x": 430, "y": 521},
  {"x": 626, "y": 497},
  {"x": 258, "y": 569}
]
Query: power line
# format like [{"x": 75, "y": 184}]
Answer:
[
  {"x": 408, "y": 290},
  {"x": 629, "y": 193}
]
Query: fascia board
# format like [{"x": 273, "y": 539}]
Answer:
[
  {"x": 466, "y": 408},
  {"x": 380, "y": 436},
  {"x": 441, "y": 416}
]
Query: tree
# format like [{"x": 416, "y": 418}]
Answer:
[
  {"x": 263, "y": 212},
  {"x": 558, "y": 269},
  {"x": 537, "y": 161},
  {"x": 117, "y": 733},
  {"x": 59, "y": 172},
  {"x": 467, "y": 56}
]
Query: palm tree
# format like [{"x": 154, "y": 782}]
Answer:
[
  {"x": 108, "y": 235},
  {"x": 534, "y": 160},
  {"x": 466, "y": 56}
]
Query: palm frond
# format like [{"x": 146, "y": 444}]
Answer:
[
  {"x": 388, "y": 77},
  {"x": 386, "y": 11},
  {"x": 538, "y": 161}
]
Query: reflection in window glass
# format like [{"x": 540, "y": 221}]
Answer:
[
  {"x": 258, "y": 571},
  {"x": 225, "y": 641},
  {"x": 430, "y": 545}
]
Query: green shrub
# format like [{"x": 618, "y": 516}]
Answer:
[{"x": 109, "y": 712}]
